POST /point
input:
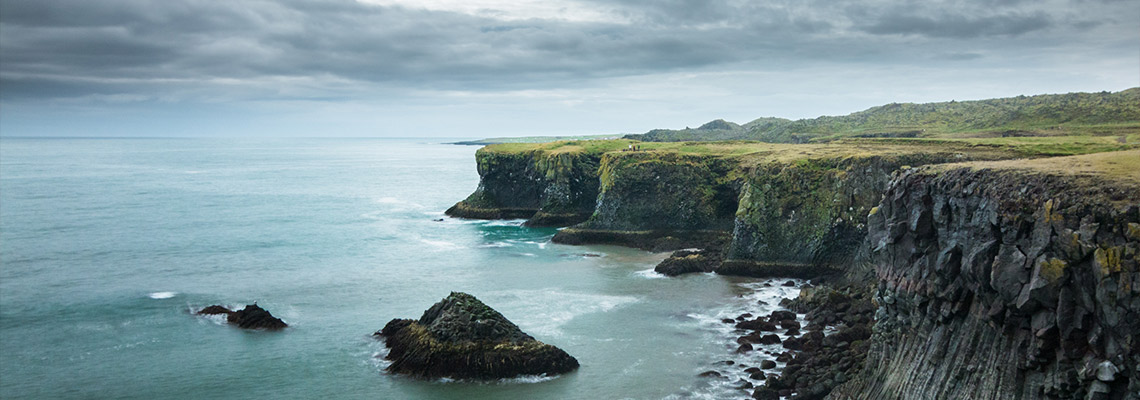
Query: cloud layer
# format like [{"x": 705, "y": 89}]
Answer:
[{"x": 202, "y": 51}]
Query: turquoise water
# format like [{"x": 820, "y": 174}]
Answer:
[{"x": 108, "y": 245}]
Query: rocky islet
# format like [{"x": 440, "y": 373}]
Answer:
[{"x": 462, "y": 338}]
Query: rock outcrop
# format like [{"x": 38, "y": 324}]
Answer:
[
  {"x": 690, "y": 261},
  {"x": 659, "y": 201},
  {"x": 549, "y": 188},
  {"x": 1007, "y": 280},
  {"x": 462, "y": 338},
  {"x": 250, "y": 317},
  {"x": 773, "y": 210}
]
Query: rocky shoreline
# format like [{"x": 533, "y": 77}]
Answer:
[{"x": 987, "y": 279}]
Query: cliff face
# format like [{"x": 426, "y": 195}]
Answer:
[
  {"x": 1006, "y": 282},
  {"x": 807, "y": 216},
  {"x": 548, "y": 188},
  {"x": 783, "y": 210},
  {"x": 659, "y": 201}
]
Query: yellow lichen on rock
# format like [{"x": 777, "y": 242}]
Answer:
[
  {"x": 1107, "y": 260},
  {"x": 1052, "y": 269}
]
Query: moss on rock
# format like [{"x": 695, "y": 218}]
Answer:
[{"x": 462, "y": 338}]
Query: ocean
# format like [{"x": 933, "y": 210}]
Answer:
[{"x": 108, "y": 246}]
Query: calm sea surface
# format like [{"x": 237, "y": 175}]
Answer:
[{"x": 107, "y": 245}]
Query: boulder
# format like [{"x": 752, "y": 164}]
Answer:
[
  {"x": 250, "y": 317},
  {"x": 689, "y": 261},
  {"x": 462, "y": 338}
]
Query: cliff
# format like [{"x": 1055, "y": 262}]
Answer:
[
  {"x": 772, "y": 209},
  {"x": 1007, "y": 280},
  {"x": 993, "y": 271},
  {"x": 554, "y": 185},
  {"x": 804, "y": 215},
  {"x": 660, "y": 200}
]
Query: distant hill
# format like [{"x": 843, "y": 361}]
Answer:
[{"x": 1101, "y": 113}]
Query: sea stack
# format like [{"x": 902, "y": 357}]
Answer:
[
  {"x": 250, "y": 317},
  {"x": 462, "y": 338}
]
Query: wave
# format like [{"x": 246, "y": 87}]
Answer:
[
  {"x": 761, "y": 299},
  {"x": 650, "y": 274},
  {"x": 504, "y": 222},
  {"x": 162, "y": 295},
  {"x": 441, "y": 244},
  {"x": 543, "y": 312}
]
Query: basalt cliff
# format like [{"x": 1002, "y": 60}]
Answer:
[{"x": 989, "y": 278}]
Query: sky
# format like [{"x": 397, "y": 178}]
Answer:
[{"x": 486, "y": 68}]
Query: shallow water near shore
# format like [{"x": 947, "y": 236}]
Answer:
[{"x": 108, "y": 245}]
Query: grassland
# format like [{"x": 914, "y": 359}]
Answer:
[
  {"x": 1117, "y": 166},
  {"x": 1073, "y": 114},
  {"x": 1008, "y": 147}
]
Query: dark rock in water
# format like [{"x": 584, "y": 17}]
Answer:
[
  {"x": 742, "y": 384},
  {"x": 758, "y": 376},
  {"x": 254, "y": 317},
  {"x": 250, "y": 317},
  {"x": 793, "y": 344},
  {"x": 767, "y": 364},
  {"x": 769, "y": 339},
  {"x": 214, "y": 310},
  {"x": 689, "y": 261},
  {"x": 728, "y": 321},
  {"x": 709, "y": 374},
  {"x": 765, "y": 393},
  {"x": 744, "y": 348},
  {"x": 462, "y": 338},
  {"x": 758, "y": 324},
  {"x": 781, "y": 315},
  {"x": 790, "y": 283}
]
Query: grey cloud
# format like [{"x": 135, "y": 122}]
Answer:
[
  {"x": 72, "y": 48},
  {"x": 958, "y": 26}
]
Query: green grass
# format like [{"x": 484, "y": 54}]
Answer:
[
  {"x": 1118, "y": 166},
  {"x": 1072, "y": 114}
]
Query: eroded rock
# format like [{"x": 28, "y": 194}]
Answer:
[{"x": 462, "y": 338}]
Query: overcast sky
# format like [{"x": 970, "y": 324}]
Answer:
[{"x": 479, "y": 68}]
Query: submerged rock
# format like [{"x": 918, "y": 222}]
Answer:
[
  {"x": 250, "y": 317},
  {"x": 462, "y": 338}
]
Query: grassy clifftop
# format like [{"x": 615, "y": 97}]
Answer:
[
  {"x": 1028, "y": 147},
  {"x": 1079, "y": 114},
  {"x": 1118, "y": 167}
]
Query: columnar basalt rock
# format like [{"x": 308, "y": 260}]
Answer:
[
  {"x": 1006, "y": 282},
  {"x": 462, "y": 338}
]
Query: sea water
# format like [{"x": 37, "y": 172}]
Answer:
[{"x": 107, "y": 247}]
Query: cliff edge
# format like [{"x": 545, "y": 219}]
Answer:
[{"x": 1007, "y": 280}]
